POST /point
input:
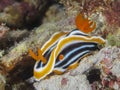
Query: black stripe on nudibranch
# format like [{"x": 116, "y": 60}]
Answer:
[
  {"x": 48, "y": 52},
  {"x": 74, "y": 49},
  {"x": 39, "y": 64}
]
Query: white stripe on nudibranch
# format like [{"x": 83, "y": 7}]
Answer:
[
  {"x": 60, "y": 69},
  {"x": 75, "y": 58},
  {"x": 77, "y": 32}
]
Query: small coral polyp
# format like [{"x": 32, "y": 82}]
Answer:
[{"x": 64, "y": 50}]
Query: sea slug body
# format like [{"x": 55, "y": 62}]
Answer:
[{"x": 64, "y": 50}]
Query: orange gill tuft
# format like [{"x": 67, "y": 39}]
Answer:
[{"x": 84, "y": 24}]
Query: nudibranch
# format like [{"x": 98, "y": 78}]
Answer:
[{"x": 64, "y": 50}]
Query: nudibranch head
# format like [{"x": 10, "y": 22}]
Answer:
[
  {"x": 39, "y": 70},
  {"x": 84, "y": 24},
  {"x": 45, "y": 60}
]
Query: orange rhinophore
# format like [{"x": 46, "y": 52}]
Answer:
[
  {"x": 39, "y": 57},
  {"x": 84, "y": 24}
]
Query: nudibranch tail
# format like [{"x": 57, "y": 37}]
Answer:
[{"x": 84, "y": 24}]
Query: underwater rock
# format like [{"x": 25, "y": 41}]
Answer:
[
  {"x": 9, "y": 37},
  {"x": 57, "y": 11},
  {"x": 112, "y": 13},
  {"x": 3, "y": 31},
  {"x": 2, "y": 82},
  {"x": 78, "y": 82},
  {"x": 114, "y": 39},
  {"x": 109, "y": 66},
  {"x": 23, "y": 13},
  {"x": 5, "y": 3}
]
